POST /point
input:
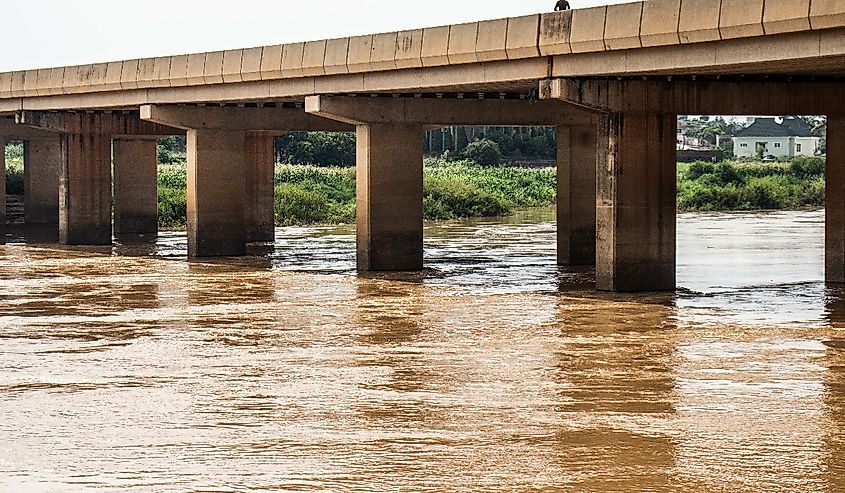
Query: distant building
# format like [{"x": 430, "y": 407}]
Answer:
[{"x": 778, "y": 137}]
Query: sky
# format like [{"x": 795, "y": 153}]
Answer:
[{"x": 49, "y": 33}]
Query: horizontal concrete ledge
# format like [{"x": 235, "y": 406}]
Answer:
[
  {"x": 9, "y": 129},
  {"x": 626, "y": 26},
  {"x": 113, "y": 124},
  {"x": 442, "y": 112},
  {"x": 279, "y": 120},
  {"x": 699, "y": 97}
]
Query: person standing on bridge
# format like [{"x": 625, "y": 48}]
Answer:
[{"x": 562, "y": 5}]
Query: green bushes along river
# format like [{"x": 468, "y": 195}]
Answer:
[{"x": 310, "y": 194}]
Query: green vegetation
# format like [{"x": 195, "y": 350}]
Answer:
[
  {"x": 751, "y": 185},
  {"x": 311, "y": 194}
]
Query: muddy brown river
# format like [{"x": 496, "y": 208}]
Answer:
[{"x": 129, "y": 369}]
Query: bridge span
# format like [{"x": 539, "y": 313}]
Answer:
[{"x": 611, "y": 79}]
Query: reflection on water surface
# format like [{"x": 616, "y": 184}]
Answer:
[{"x": 130, "y": 369}]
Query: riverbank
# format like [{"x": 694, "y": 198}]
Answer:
[
  {"x": 455, "y": 189},
  {"x": 318, "y": 195}
]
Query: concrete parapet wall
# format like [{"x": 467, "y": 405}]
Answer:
[{"x": 624, "y": 27}]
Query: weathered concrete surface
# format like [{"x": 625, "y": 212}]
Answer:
[
  {"x": 259, "y": 190},
  {"x": 700, "y": 97},
  {"x": 587, "y": 32},
  {"x": 85, "y": 205},
  {"x": 660, "y": 21},
  {"x": 825, "y": 14},
  {"x": 216, "y": 174},
  {"x": 622, "y": 26},
  {"x": 555, "y": 29},
  {"x": 522, "y": 37},
  {"x": 135, "y": 186},
  {"x": 635, "y": 216},
  {"x": 442, "y": 112},
  {"x": 462, "y": 43},
  {"x": 576, "y": 192},
  {"x": 42, "y": 167},
  {"x": 492, "y": 40},
  {"x": 835, "y": 201},
  {"x": 741, "y": 18},
  {"x": 2, "y": 189},
  {"x": 389, "y": 197},
  {"x": 243, "y": 119},
  {"x": 783, "y": 17}
]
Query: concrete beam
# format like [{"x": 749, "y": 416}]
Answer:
[
  {"x": 444, "y": 112},
  {"x": 278, "y": 120},
  {"x": 13, "y": 131},
  {"x": 699, "y": 97},
  {"x": 114, "y": 124}
]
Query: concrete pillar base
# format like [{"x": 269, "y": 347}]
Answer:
[
  {"x": 42, "y": 167},
  {"x": 834, "y": 262},
  {"x": 259, "y": 206},
  {"x": 135, "y": 186},
  {"x": 216, "y": 225},
  {"x": 2, "y": 190},
  {"x": 390, "y": 194},
  {"x": 576, "y": 192},
  {"x": 636, "y": 212},
  {"x": 85, "y": 190}
]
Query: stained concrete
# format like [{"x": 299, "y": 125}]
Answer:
[
  {"x": 135, "y": 186},
  {"x": 576, "y": 192},
  {"x": 389, "y": 197},
  {"x": 835, "y": 201},
  {"x": 42, "y": 167},
  {"x": 85, "y": 205},
  {"x": 216, "y": 178},
  {"x": 259, "y": 190},
  {"x": 636, "y": 191}
]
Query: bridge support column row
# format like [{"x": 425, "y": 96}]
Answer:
[{"x": 636, "y": 211}]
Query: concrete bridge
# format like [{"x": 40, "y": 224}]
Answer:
[{"x": 611, "y": 79}]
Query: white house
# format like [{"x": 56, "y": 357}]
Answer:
[{"x": 788, "y": 136}]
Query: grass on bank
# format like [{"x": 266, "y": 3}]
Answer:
[
  {"x": 314, "y": 195},
  {"x": 738, "y": 186},
  {"x": 318, "y": 195}
]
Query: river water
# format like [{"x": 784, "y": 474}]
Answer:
[{"x": 130, "y": 369}]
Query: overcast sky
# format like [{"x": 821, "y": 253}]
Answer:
[{"x": 47, "y": 33}]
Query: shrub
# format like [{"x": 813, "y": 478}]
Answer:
[
  {"x": 807, "y": 167},
  {"x": 484, "y": 152},
  {"x": 446, "y": 198},
  {"x": 14, "y": 178},
  {"x": 172, "y": 208}
]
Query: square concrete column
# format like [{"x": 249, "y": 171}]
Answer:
[
  {"x": 835, "y": 201},
  {"x": 216, "y": 193},
  {"x": 42, "y": 167},
  {"x": 2, "y": 188},
  {"x": 260, "y": 170},
  {"x": 576, "y": 192},
  {"x": 85, "y": 190},
  {"x": 135, "y": 186},
  {"x": 390, "y": 193},
  {"x": 637, "y": 183}
]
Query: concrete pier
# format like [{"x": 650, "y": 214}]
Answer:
[
  {"x": 576, "y": 192},
  {"x": 216, "y": 177},
  {"x": 42, "y": 167},
  {"x": 2, "y": 187},
  {"x": 85, "y": 190},
  {"x": 835, "y": 200},
  {"x": 389, "y": 197},
  {"x": 135, "y": 186},
  {"x": 259, "y": 191},
  {"x": 636, "y": 209}
]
